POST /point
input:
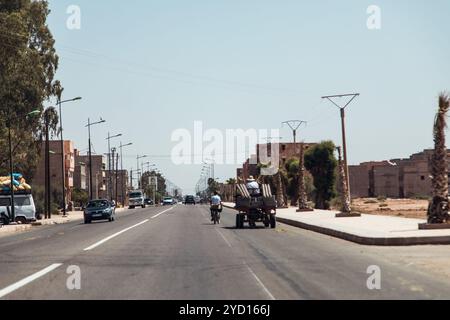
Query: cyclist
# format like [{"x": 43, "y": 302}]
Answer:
[{"x": 216, "y": 202}]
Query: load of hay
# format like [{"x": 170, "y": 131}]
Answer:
[{"x": 19, "y": 183}]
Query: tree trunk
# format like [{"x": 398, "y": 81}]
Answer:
[
  {"x": 345, "y": 197},
  {"x": 302, "y": 197},
  {"x": 438, "y": 208}
]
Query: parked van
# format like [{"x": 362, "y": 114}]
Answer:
[{"x": 24, "y": 204}]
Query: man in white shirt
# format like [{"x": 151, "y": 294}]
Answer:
[
  {"x": 216, "y": 202},
  {"x": 253, "y": 186}
]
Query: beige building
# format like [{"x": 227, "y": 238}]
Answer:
[
  {"x": 396, "y": 178},
  {"x": 56, "y": 168}
]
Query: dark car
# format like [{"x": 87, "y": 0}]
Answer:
[
  {"x": 148, "y": 202},
  {"x": 99, "y": 210},
  {"x": 189, "y": 200}
]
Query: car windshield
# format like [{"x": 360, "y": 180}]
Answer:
[
  {"x": 135, "y": 195},
  {"x": 167, "y": 199},
  {"x": 97, "y": 204}
]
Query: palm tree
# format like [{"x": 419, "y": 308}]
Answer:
[
  {"x": 438, "y": 207},
  {"x": 49, "y": 125},
  {"x": 302, "y": 198}
]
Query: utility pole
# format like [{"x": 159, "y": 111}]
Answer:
[
  {"x": 109, "y": 163},
  {"x": 294, "y": 125},
  {"x": 344, "y": 141},
  {"x": 122, "y": 171}
]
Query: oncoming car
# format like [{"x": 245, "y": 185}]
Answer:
[{"x": 99, "y": 210}]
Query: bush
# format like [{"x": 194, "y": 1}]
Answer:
[
  {"x": 336, "y": 203},
  {"x": 382, "y": 198}
]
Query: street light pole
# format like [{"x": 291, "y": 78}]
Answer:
[
  {"x": 90, "y": 159},
  {"x": 137, "y": 166},
  {"x": 11, "y": 168},
  {"x": 63, "y": 170}
]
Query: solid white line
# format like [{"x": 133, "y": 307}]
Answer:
[
  {"x": 95, "y": 245},
  {"x": 271, "y": 297},
  {"x": 27, "y": 280},
  {"x": 228, "y": 243},
  {"x": 155, "y": 216}
]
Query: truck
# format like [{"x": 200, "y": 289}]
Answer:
[
  {"x": 255, "y": 208},
  {"x": 136, "y": 198}
]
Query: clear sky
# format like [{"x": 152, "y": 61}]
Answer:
[{"x": 151, "y": 67}]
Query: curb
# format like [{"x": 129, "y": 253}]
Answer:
[{"x": 368, "y": 241}]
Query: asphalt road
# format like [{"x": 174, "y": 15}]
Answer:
[{"x": 178, "y": 254}]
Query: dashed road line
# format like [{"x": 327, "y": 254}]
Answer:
[
  {"x": 261, "y": 284},
  {"x": 28, "y": 280},
  {"x": 95, "y": 245}
]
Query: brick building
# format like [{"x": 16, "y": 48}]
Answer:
[
  {"x": 98, "y": 174},
  {"x": 285, "y": 151},
  {"x": 56, "y": 168}
]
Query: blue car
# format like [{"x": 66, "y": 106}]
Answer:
[{"x": 99, "y": 210}]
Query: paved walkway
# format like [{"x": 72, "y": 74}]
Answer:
[{"x": 367, "y": 229}]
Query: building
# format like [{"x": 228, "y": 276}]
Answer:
[
  {"x": 396, "y": 178},
  {"x": 56, "y": 169},
  {"x": 98, "y": 174},
  {"x": 285, "y": 151}
]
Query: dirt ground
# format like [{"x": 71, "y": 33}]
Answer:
[{"x": 408, "y": 208}]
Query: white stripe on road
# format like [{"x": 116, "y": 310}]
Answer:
[
  {"x": 155, "y": 216},
  {"x": 27, "y": 280},
  {"x": 95, "y": 245},
  {"x": 271, "y": 297},
  {"x": 228, "y": 243}
]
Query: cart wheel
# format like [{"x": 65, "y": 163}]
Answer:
[
  {"x": 273, "y": 222},
  {"x": 238, "y": 221}
]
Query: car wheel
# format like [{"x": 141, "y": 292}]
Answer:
[
  {"x": 21, "y": 220},
  {"x": 87, "y": 221}
]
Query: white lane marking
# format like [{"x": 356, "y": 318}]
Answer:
[
  {"x": 27, "y": 280},
  {"x": 228, "y": 243},
  {"x": 271, "y": 297},
  {"x": 155, "y": 216},
  {"x": 95, "y": 245}
]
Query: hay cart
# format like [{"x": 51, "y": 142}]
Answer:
[{"x": 255, "y": 208}]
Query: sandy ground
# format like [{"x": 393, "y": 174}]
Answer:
[{"x": 408, "y": 208}]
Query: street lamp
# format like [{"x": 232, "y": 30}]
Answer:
[
  {"x": 109, "y": 162},
  {"x": 62, "y": 152},
  {"x": 121, "y": 169},
  {"x": 90, "y": 156},
  {"x": 11, "y": 167},
  {"x": 137, "y": 166}
]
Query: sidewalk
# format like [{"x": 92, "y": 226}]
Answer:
[
  {"x": 56, "y": 219},
  {"x": 367, "y": 229}
]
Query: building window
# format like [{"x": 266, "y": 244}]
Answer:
[
  {"x": 283, "y": 147},
  {"x": 422, "y": 178}
]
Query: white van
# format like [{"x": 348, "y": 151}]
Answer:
[{"x": 24, "y": 204}]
